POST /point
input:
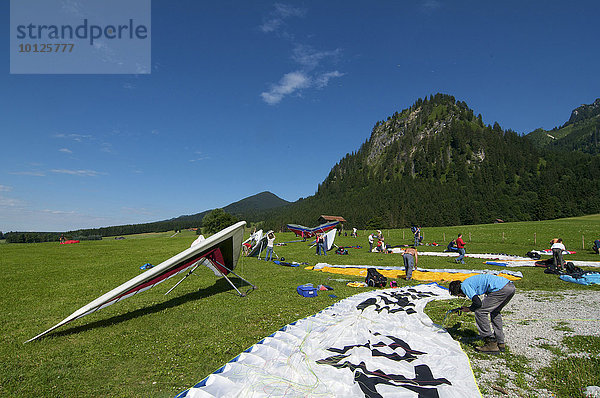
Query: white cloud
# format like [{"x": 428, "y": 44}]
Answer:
[
  {"x": 65, "y": 150},
  {"x": 323, "y": 79},
  {"x": 289, "y": 83},
  {"x": 82, "y": 173},
  {"x": 278, "y": 16},
  {"x": 9, "y": 202},
  {"x": 310, "y": 58},
  {"x": 5, "y": 188},
  {"x": 58, "y": 212},
  {"x": 74, "y": 137},
  {"x": 17, "y": 215},
  {"x": 28, "y": 173},
  {"x": 310, "y": 73},
  {"x": 200, "y": 157}
]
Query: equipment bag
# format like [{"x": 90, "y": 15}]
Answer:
[{"x": 375, "y": 279}]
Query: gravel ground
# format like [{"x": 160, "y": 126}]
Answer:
[{"x": 533, "y": 318}]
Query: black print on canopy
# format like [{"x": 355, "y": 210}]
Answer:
[
  {"x": 394, "y": 301},
  {"x": 368, "y": 380}
]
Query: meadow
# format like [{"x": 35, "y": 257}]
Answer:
[{"x": 157, "y": 345}]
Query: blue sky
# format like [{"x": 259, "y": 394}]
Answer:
[{"x": 252, "y": 96}]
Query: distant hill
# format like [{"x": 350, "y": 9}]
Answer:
[
  {"x": 580, "y": 133},
  {"x": 436, "y": 163},
  {"x": 247, "y": 208}
]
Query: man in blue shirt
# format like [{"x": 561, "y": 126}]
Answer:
[{"x": 498, "y": 291}]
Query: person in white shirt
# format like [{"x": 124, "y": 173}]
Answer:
[
  {"x": 270, "y": 244},
  {"x": 557, "y": 253}
]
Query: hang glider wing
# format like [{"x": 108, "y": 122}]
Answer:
[
  {"x": 299, "y": 230},
  {"x": 220, "y": 252},
  {"x": 330, "y": 238},
  {"x": 306, "y": 232},
  {"x": 260, "y": 245},
  {"x": 254, "y": 238}
]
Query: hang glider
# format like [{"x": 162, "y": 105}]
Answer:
[
  {"x": 220, "y": 252},
  {"x": 254, "y": 238},
  {"x": 374, "y": 344},
  {"x": 329, "y": 239},
  {"x": 306, "y": 232},
  {"x": 260, "y": 244}
]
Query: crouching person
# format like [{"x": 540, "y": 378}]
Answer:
[{"x": 498, "y": 291}]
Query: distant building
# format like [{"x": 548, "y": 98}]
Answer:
[{"x": 323, "y": 219}]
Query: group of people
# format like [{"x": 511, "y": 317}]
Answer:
[
  {"x": 380, "y": 247},
  {"x": 457, "y": 246},
  {"x": 496, "y": 291}
]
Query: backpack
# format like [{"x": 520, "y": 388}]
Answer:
[
  {"x": 571, "y": 269},
  {"x": 551, "y": 269},
  {"x": 375, "y": 279},
  {"x": 532, "y": 255},
  {"x": 341, "y": 250}
]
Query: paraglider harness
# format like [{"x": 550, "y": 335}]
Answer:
[
  {"x": 375, "y": 279},
  {"x": 569, "y": 269},
  {"x": 341, "y": 250}
]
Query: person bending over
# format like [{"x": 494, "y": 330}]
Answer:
[
  {"x": 596, "y": 246},
  {"x": 411, "y": 258},
  {"x": 498, "y": 291},
  {"x": 451, "y": 247}
]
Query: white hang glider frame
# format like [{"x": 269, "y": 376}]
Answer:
[{"x": 220, "y": 252}]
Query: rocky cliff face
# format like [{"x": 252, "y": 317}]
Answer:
[
  {"x": 580, "y": 133},
  {"x": 396, "y": 129},
  {"x": 585, "y": 112},
  {"x": 425, "y": 138}
]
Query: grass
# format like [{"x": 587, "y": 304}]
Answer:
[
  {"x": 157, "y": 345},
  {"x": 567, "y": 377}
]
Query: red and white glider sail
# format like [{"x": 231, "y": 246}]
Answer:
[{"x": 222, "y": 250}]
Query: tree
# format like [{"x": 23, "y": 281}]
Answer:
[{"x": 217, "y": 220}]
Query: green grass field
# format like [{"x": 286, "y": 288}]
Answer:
[{"x": 157, "y": 345}]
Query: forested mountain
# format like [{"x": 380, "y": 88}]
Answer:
[
  {"x": 580, "y": 133},
  {"x": 436, "y": 163},
  {"x": 247, "y": 208}
]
